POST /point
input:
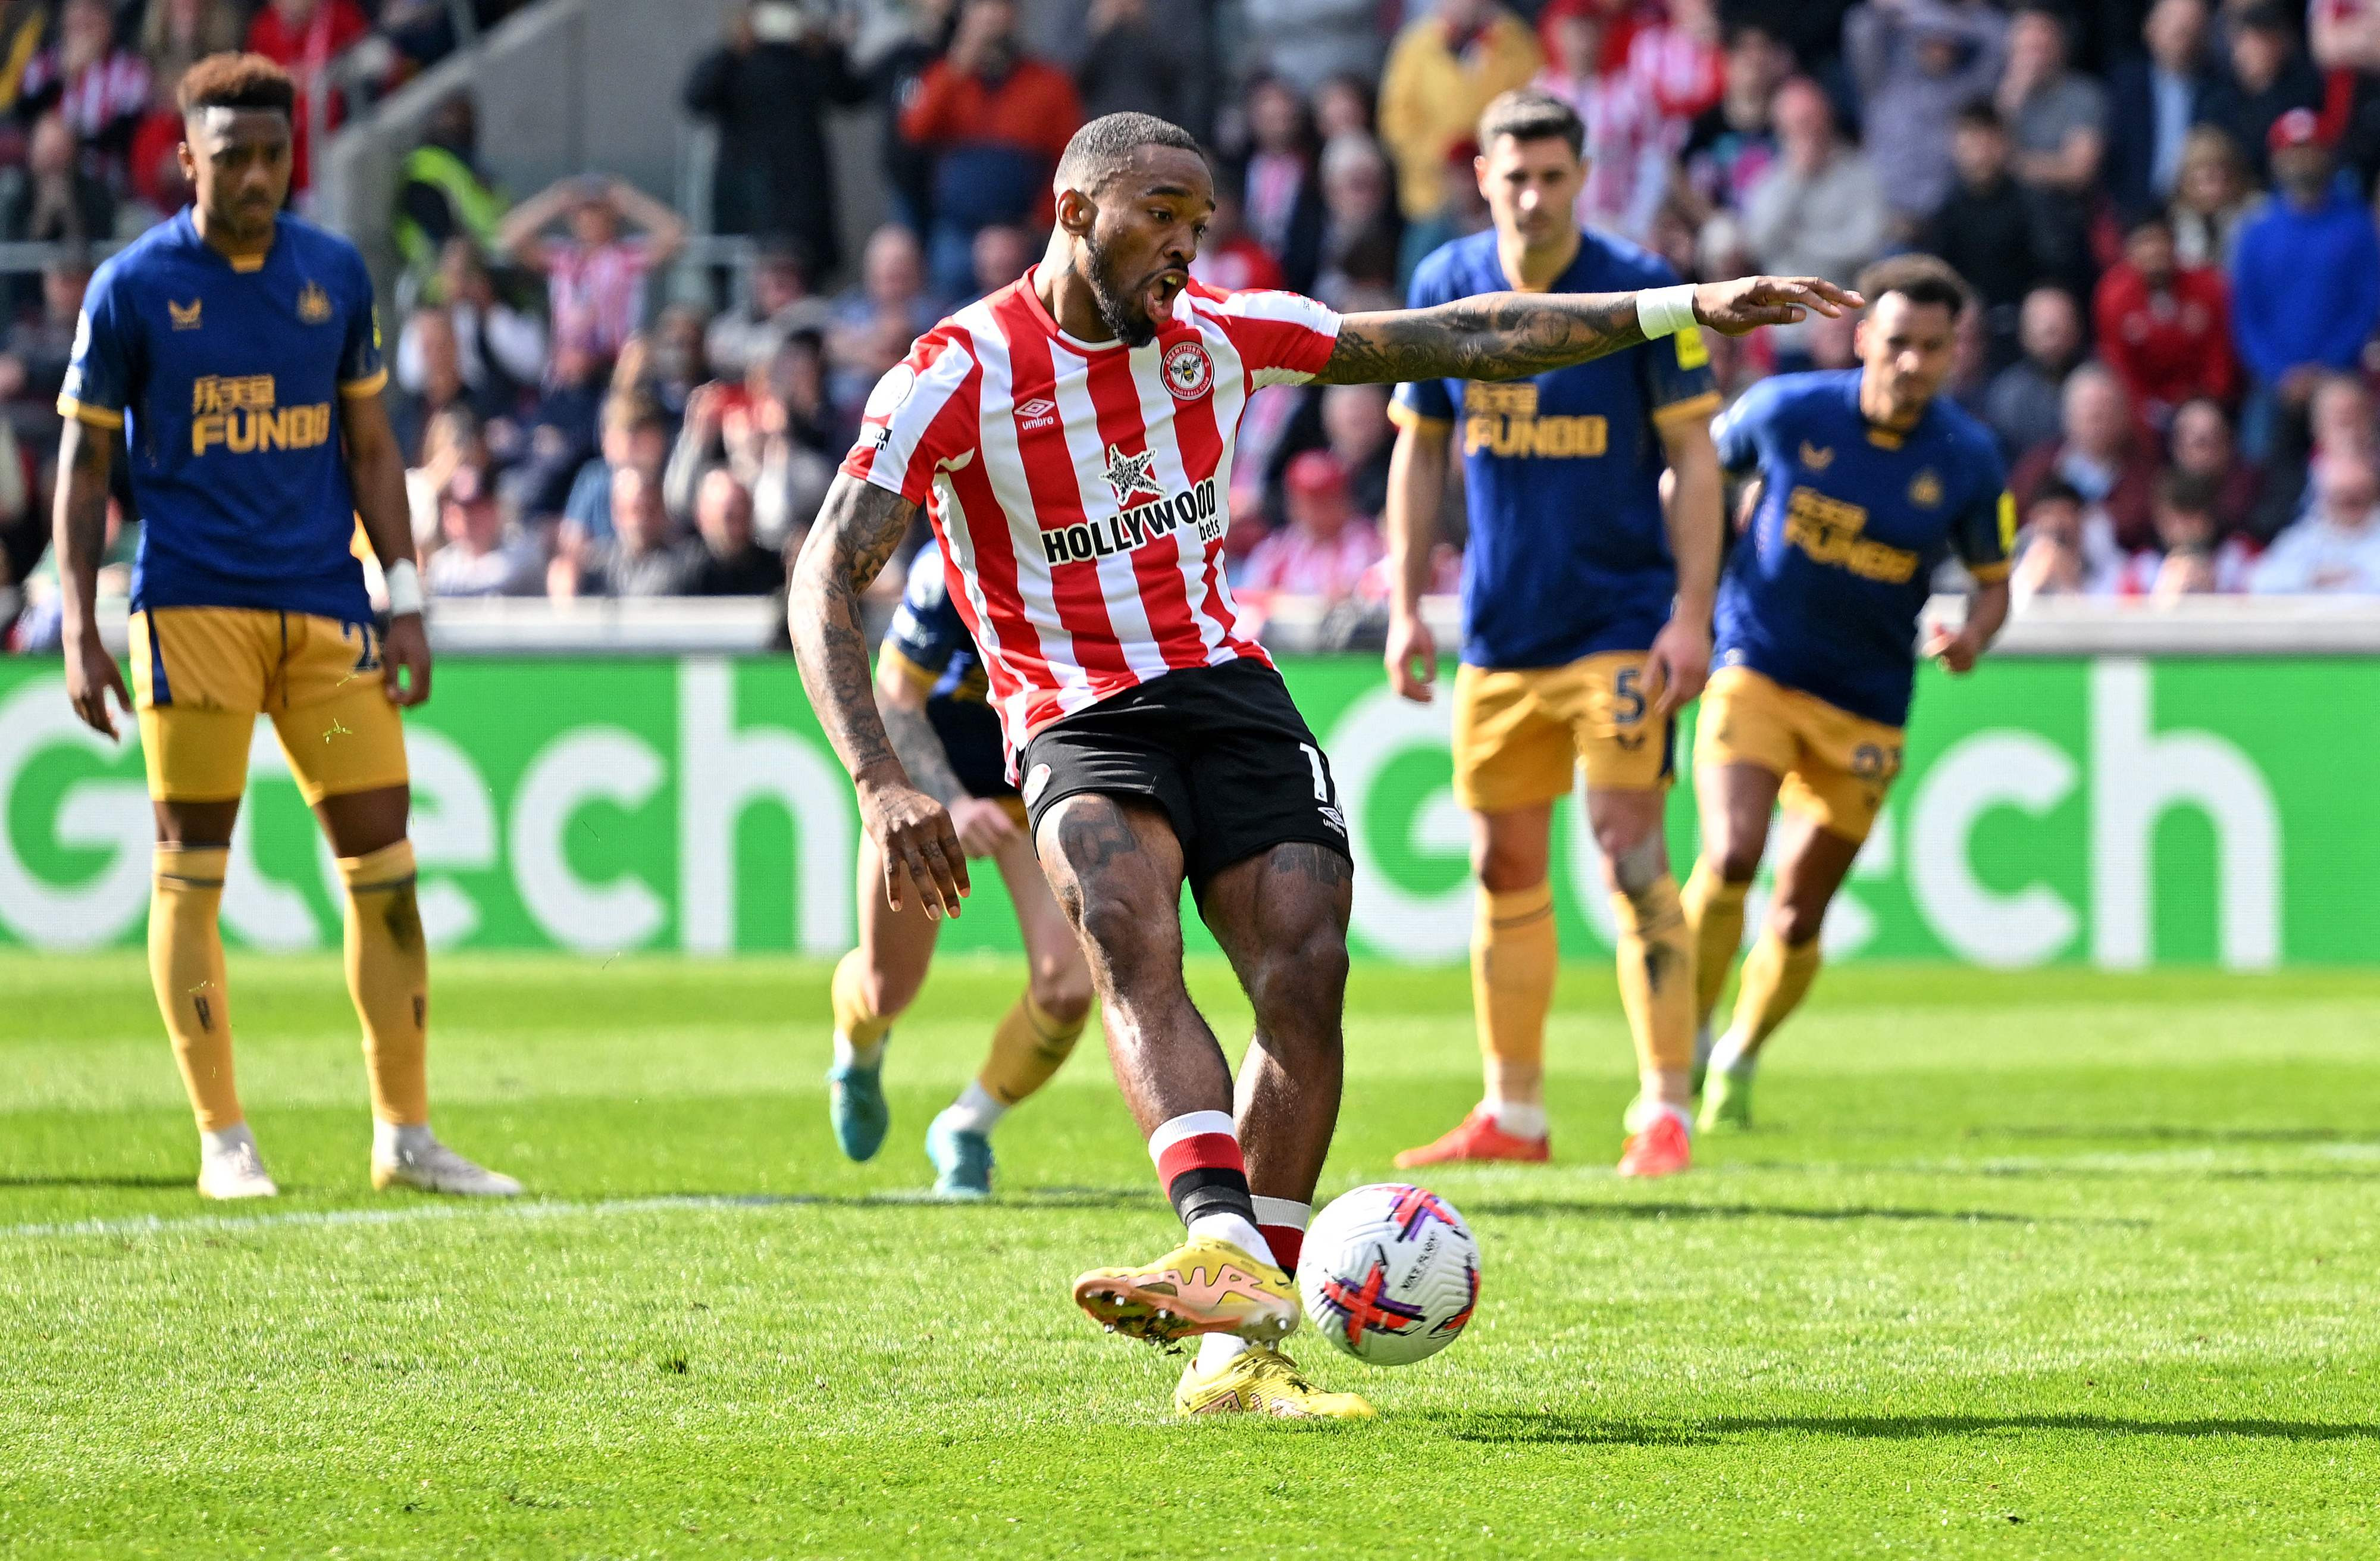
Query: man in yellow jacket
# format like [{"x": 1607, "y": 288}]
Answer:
[{"x": 1441, "y": 71}]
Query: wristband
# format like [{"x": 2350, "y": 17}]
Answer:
[
  {"x": 1664, "y": 311},
  {"x": 404, "y": 580}
]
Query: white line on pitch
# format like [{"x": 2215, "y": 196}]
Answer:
[{"x": 154, "y": 1225}]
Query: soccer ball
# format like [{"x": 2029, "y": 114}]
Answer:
[{"x": 1389, "y": 1273}]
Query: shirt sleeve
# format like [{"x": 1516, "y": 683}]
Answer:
[
  {"x": 1984, "y": 534},
  {"x": 1738, "y": 429},
  {"x": 1676, "y": 373},
  {"x": 362, "y": 370},
  {"x": 918, "y": 418},
  {"x": 1419, "y": 402},
  {"x": 1285, "y": 339},
  {"x": 926, "y": 632},
  {"x": 99, "y": 374}
]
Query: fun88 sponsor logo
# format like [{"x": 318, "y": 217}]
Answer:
[{"x": 1137, "y": 527}]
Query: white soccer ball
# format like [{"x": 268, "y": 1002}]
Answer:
[{"x": 1389, "y": 1273}]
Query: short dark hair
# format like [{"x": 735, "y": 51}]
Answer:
[
  {"x": 2264, "y": 18},
  {"x": 1104, "y": 147},
  {"x": 241, "y": 81},
  {"x": 2152, "y": 218},
  {"x": 2055, "y": 490},
  {"x": 2192, "y": 492},
  {"x": 1921, "y": 279},
  {"x": 1528, "y": 114},
  {"x": 1981, "y": 115}
]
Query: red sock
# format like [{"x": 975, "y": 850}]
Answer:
[
  {"x": 1283, "y": 1223},
  {"x": 1198, "y": 1160}
]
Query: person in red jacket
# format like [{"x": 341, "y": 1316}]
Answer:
[
  {"x": 303, "y": 37},
  {"x": 2164, "y": 328},
  {"x": 996, "y": 120}
]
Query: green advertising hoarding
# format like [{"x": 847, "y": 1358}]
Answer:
[{"x": 2116, "y": 811}]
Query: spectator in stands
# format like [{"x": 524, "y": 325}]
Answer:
[
  {"x": 1343, "y": 106},
  {"x": 499, "y": 350},
  {"x": 780, "y": 304},
  {"x": 1728, "y": 148},
  {"x": 1326, "y": 547},
  {"x": 2023, "y": 403},
  {"x": 2202, "y": 448},
  {"x": 442, "y": 193},
  {"x": 1002, "y": 253},
  {"x": 2340, "y": 418},
  {"x": 419, "y": 34},
  {"x": 732, "y": 564},
  {"x": 57, "y": 201},
  {"x": 564, "y": 431},
  {"x": 2212, "y": 199},
  {"x": 1444, "y": 66},
  {"x": 2335, "y": 549},
  {"x": 636, "y": 435},
  {"x": 996, "y": 120},
  {"x": 2101, "y": 455},
  {"x": 2153, "y": 101},
  {"x": 1462, "y": 212},
  {"x": 1133, "y": 62},
  {"x": 676, "y": 360},
  {"x": 1361, "y": 229},
  {"x": 101, "y": 89},
  {"x": 2192, "y": 557},
  {"x": 2268, "y": 78},
  {"x": 1819, "y": 212},
  {"x": 1917, "y": 63},
  {"x": 1356, "y": 431},
  {"x": 2164, "y": 328},
  {"x": 767, "y": 90},
  {"x": 1230, "y": 257},
  {"x": 2056, "y": 118},
  {"x": 177, "y": 34},
  {"x": 2054, "y": 552},
  {"x": 1306, "y": 42},
  {"x": 595, "y": 278},
  {"x": 1676, "y": 61},
  {"x": 1628, "y": 143},
  {"x": 776, "y": 433},
  {"x": 1282, "y": 192},
  {"x": 429, "y": 375},
  {"x": 642, "y": 557},
  {"x": 1989, "y": 228},
  {"x": 39, "y": 348},
  {"x": 2305, "y": 281},
  {"x": 23, "y": 24},
  {"x": 157, "y": 187},
  {"x": 455, "y": 439},
  {"x": 889, "y": 303},
  {"x": 482, "y": 553},
  {"x": 304, "y": 38}
]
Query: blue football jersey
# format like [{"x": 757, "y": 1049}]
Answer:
[
  {"x": 928, "y": 633},
  {"x": 226, "y": 380},
  {"x": 1568, "y": 554},
  {"x": 1823, "y": 592}
]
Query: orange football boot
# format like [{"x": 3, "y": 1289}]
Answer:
[
  {"x": 1661, "y": 1149},
  {"x": 1476, "y": 1137}
]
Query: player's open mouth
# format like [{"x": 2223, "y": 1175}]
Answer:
[{"x": 1162, "y": 290}]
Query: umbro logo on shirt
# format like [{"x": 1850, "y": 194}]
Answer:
[{"x": 1039, "y": 412}]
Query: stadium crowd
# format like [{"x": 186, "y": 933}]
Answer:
[{"x": 2164, "y": 211}]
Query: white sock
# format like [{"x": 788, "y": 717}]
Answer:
[
  {"x": 1216, "y": 1349},
  {"x": 1727, "y": 1055},
  {"x": 226, "y": 1139},
  {"x": 1647, "y": 1109},
  {"x": 976, "y": 1111},
  {"x": 393, "y": 1144},
  {"x": 1521, "y": 1121},
  {"x": 848, "y": 1055},
  {"x": 1225, "y": 1225}
]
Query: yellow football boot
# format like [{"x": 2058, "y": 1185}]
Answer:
[
  {"x": 1263, "y": 1382},
  {"x": 1205, "y": 1286}
]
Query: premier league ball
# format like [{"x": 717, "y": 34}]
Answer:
[{"x": 1389, "y": 1273}]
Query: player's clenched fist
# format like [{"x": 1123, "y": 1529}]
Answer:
[
  {"x": 405, "y": 649},
  {"x": 1749, "y": 302},
  {"x": 918, "y": 840}
]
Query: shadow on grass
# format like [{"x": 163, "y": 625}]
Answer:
[
  {"x": 96, "y": 1182},
  {"x": 1522, "y": 1207},
  {"x": 1521, "y": 1427}
]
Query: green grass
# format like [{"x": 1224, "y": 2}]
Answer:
[{"x": 2041, "y": 1266}]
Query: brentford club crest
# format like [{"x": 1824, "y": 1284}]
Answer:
[
  {"x": 1132, "y": 477},
  {"x": 1189, "y": 372}
]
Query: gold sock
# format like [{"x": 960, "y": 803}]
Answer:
[
  {"x": 1777, "y": 976},
  {"x": 186, "y": 966},
  {"x": 1656, "y": 987},
  {"x": 388, "y": 976},
  {"x": 1713, "y": 910},
  {"x": 852, "y": 1020},
  {"x": 1026, "y": 1049},
  {"x": 1513, "y": 955}
]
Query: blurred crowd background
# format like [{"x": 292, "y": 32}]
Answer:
[{"x": 2166, "y": 212}]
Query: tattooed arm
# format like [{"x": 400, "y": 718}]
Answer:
[
  {"x": 1505, "y": 335},
  {"x": 79, "y": 533},
  {"x": 855, "y": 534},
  {"x": 983, "y": 824}
]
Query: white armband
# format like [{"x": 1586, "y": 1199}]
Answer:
[
  {"x": 1664, "y": 311},
  {"x": 403, "y": 581}
]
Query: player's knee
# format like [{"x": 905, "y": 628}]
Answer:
[
  {"x": 1794, "y": 922},
  {"x": 888, "y": 994},
  {"x": 1632, "y": 855},
  {"x": 1735, "y": 855},
  {"x": 1300, "y": 986},
  {"x": 1060, "y": 985},
  {"x": 1506, "y": 867}
]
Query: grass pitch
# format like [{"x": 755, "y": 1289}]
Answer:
[{"x": 2043, "y": 1266}]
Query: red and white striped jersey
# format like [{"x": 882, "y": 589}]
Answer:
[{"x": 1081, "y": 489}]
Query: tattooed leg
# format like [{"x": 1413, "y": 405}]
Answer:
[
  {"x": 1281, "y": 917},
  {"x": 1116, "y": 869}
]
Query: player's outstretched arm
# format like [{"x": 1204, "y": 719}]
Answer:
[
  {"x": 79, "y": 532},
  {"x": 1505, "y": 335},
  {"x": 857, "y": 530}
]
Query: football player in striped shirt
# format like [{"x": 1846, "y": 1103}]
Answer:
[{"x": 1072, "y": 437}]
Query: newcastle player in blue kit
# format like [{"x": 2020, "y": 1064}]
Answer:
[
  {"x": 1867, "y": 481},
  {"x": 1586, "y": 606}
]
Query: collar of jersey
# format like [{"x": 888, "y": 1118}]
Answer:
[
  {"x": 247, "y": 265},
  {"x": 1027, "y": 289},
  {"x": 1899, "y": 436}
]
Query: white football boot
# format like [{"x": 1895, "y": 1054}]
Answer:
[
  {"x": 411, "y": 1157},
  {"x": 230, "y": 1167}
]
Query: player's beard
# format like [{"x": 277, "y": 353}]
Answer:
[{"x": 1120, "y": 312}]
